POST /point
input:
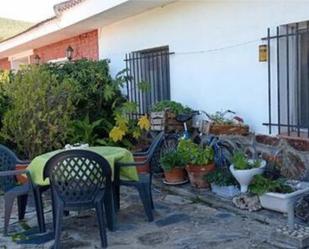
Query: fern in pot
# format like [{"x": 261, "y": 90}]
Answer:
[
  {"x": 244, "y": 169},
  {"x": 173, "y": 164},
  {"x": 222, "y": 183},
  {"x": 200, "y": 162}
]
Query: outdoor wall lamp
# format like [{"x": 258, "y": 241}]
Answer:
[
  {"x": 69, "y": 53},
  {"x": 37, "y": 59}
]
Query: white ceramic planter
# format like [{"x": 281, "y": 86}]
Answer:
[
  {"x": 282, "y": 202},
  {"x": 245, "y": 176},
  {"x": 225, "y": 191}
]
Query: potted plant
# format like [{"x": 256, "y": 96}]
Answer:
[
  {"x": 232, "y": 125},
  {"x": 244, "y": 169},
  {"x": 173, "y": 165},
  {"x": 200, "y": 162},
  {"x": 278, "y": 195},
  {"x": 222, "y": 183}
]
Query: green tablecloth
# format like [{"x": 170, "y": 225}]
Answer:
[{"x": 111, "y": 154}]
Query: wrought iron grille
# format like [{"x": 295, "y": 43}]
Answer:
[
  {"x": 148, "y": 80},
  {"x": 288, "y": 79}
]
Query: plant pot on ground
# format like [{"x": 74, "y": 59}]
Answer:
[
  {"x": 278, "y": 195},
  {"x": 200, "y": 162},
  {"x": 222, "y": 183},
  {"x": 173, "y": 165},
  {"x": 244, "y": 169}
]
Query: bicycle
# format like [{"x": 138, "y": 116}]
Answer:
[{"x": 223, "y": 149}]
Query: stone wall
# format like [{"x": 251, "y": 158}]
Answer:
[{"x": 290, "y": 154}]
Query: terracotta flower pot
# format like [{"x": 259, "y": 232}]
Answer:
[
  {"x": 176, "y": 175},
  {"x": 22, "y": 179},
  {"x": 142, "y": 169},
  {"x": 196, "y": 174}
]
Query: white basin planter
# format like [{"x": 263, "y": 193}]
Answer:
[
  {"x": 245, "y": 176},
  {"x": 284, "y": 203}
]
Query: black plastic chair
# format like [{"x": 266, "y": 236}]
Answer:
[
  {"x": 9, "y": 185},
  {"x": 80, "y": 179},
  {"x": 143, "y": 185}
]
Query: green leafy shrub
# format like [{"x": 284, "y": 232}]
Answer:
[
  {"x": 175, "y": 107},
  {"x": 195, "y": 154},
  {"x": 221, "y": 177},
  {"x": 97, "y": 94},
  {"x": 4, "y": 100},
  {"x": 241, "y": 161},
  {"x": 260, "y": 185},
  {"x": 40, "y": 111},
  {"x": 172, "y": 160}
]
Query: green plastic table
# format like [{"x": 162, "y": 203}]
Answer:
[{"x": 111, "y": 154}]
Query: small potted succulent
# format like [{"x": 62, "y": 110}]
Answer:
[
  {"x": 173, "y": 165},
  {"x": 244, "y": 169},
  {"x": 200, "y": 162},
  {"x": 222, "y": 183}
]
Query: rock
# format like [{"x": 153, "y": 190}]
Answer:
[
  {"x": 153, "y": 238},
  {"x": 302, "y": 209},
  {"x": 172, "y": 219},
  {"x": 176, "y": 199},
  {"x": 247, "y": 202}
]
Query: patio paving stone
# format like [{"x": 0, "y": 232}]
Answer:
[{"x": 180, "y": 223}]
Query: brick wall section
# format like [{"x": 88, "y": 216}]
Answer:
[
  {"x": 5, "y": 64},
  {"x": 84, "y": 45}
]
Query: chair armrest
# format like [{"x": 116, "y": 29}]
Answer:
[
  {"x": 141, "y": 153},
  {"x": 14, "y": 172},
  {"x": 23, "y": 162}
]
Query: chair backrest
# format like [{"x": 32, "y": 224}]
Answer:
[
  {"x": 154, "y": 145},
  {"x": 8, "y": 161},
  {"x": 78, "y": 177}
]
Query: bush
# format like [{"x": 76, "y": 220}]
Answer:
[
  {"x": 40, "y": 111},
  {"x": 4, "y": 100},
  {"x": 96, "y": 92}
]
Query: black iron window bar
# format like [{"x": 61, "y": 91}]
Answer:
[
  {"x": 288, "y": 102},
  {"x": 152, "y": 67}
]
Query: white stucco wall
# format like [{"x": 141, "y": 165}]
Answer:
[{"x": 215, "y": 66}]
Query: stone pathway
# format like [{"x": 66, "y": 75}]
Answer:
[{"x": 180, "y": 223}]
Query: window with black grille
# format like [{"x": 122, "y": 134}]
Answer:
[
  {"x": 149, "y": 77},
  {"x": 288, "y": 79}
]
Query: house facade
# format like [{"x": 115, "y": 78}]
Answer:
[{"x": 204, "y": 54}]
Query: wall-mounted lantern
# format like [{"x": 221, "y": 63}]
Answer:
[
  {"x": 37, "y": 59},
  {"x": 263, "y": 53},
  {"x": 69, "y": 53}
]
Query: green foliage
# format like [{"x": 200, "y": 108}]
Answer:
[
  {"x": 221, "y": 177},
  {"x": 4, "y": 100},
  {"x": 241, "y": 161},
  {"x": 219, "y": 118},
  {"x": 175, "y": 107},
  {"x": 9, "y": 27},
  {"x": 84, "y": 131},
  {"x": 260, "y": 185},
  {"x": 40, "y": 111},
  {"x": 172, "y": 160},
  {"x": 97, "y": 94},
  {"x": 195, "y": 154}
]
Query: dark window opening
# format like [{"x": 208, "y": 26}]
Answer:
[
  {"x": 288, "y": 79},
  {"x": 149, "y": 77}
]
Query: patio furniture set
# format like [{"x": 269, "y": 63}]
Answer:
[{"x": 78, "y": 179}]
